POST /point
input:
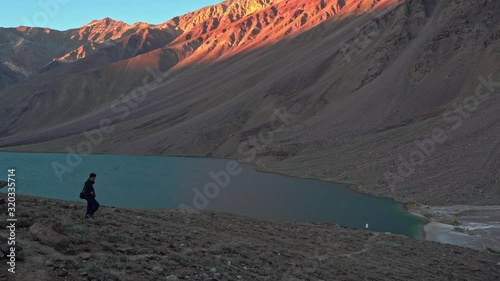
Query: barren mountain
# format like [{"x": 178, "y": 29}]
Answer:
[
  {"x": 26, "y": 51},
  {"x": 399, "y": 96}
]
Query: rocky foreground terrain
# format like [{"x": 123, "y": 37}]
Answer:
[{"x": 121, "y": 244}]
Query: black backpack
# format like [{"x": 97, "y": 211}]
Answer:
[{"x": 82, "y": 194}]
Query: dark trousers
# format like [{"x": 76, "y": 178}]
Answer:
[{"x": 92, "y": 206}]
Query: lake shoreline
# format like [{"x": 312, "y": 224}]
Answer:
[
  {"x": 257, "y": 167},
  {"x": 475, "y": 227},
  {"x": 181, "y": 182},
  {"x": 435, "y": 229},
  {"x": 425, "y": 231}
]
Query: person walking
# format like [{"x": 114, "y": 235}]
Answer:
[{"x": 89, "y": 191}]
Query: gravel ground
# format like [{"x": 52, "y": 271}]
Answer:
[{"x": 122, "y": 244}]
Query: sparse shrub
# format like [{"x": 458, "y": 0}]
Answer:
[
  {"x": 114, "y": 238},
  {"x": 74, "y": 262},
  {"x": 133, "y": 266},
  {"x": 106, "y": 246},
  {"x": 98, "y": 273},
  {"x": 70, "y": 250},
  {"x": 77, "y": 230}
]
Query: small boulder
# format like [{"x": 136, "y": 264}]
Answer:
[
  {"x": 85, "y": 256},
  {"x": 4, "y": 248},
  {"x": 62, "y": 272},
  {"x": 158, "y": 269},
  {"x": 172, "y": 278},
  {"x": 127, "y": 250},
  {"x": 24, "y": 223},
  {"x": 49, "y": 263},
  {"x": 49, "y": 233}
]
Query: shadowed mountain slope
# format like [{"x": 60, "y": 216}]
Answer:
[{"x": 361, "y": 82}]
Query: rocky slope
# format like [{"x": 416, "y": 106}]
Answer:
[
  {"x": 382, "y": 93},
  {"x": 27, "y": 51},
  {"x": 55, "y": 243}
]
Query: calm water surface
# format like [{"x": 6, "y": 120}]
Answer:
[{"x": 172, "y": 182}]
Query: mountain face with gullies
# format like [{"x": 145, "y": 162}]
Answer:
[
  {"x": 29, "y": 50},
  {"x": 364, "y": 82}
]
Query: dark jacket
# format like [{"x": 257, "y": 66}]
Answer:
[{"x": 89, "y": 190}]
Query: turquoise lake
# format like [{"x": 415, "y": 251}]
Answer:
[{"x": 155, "y": 182}]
